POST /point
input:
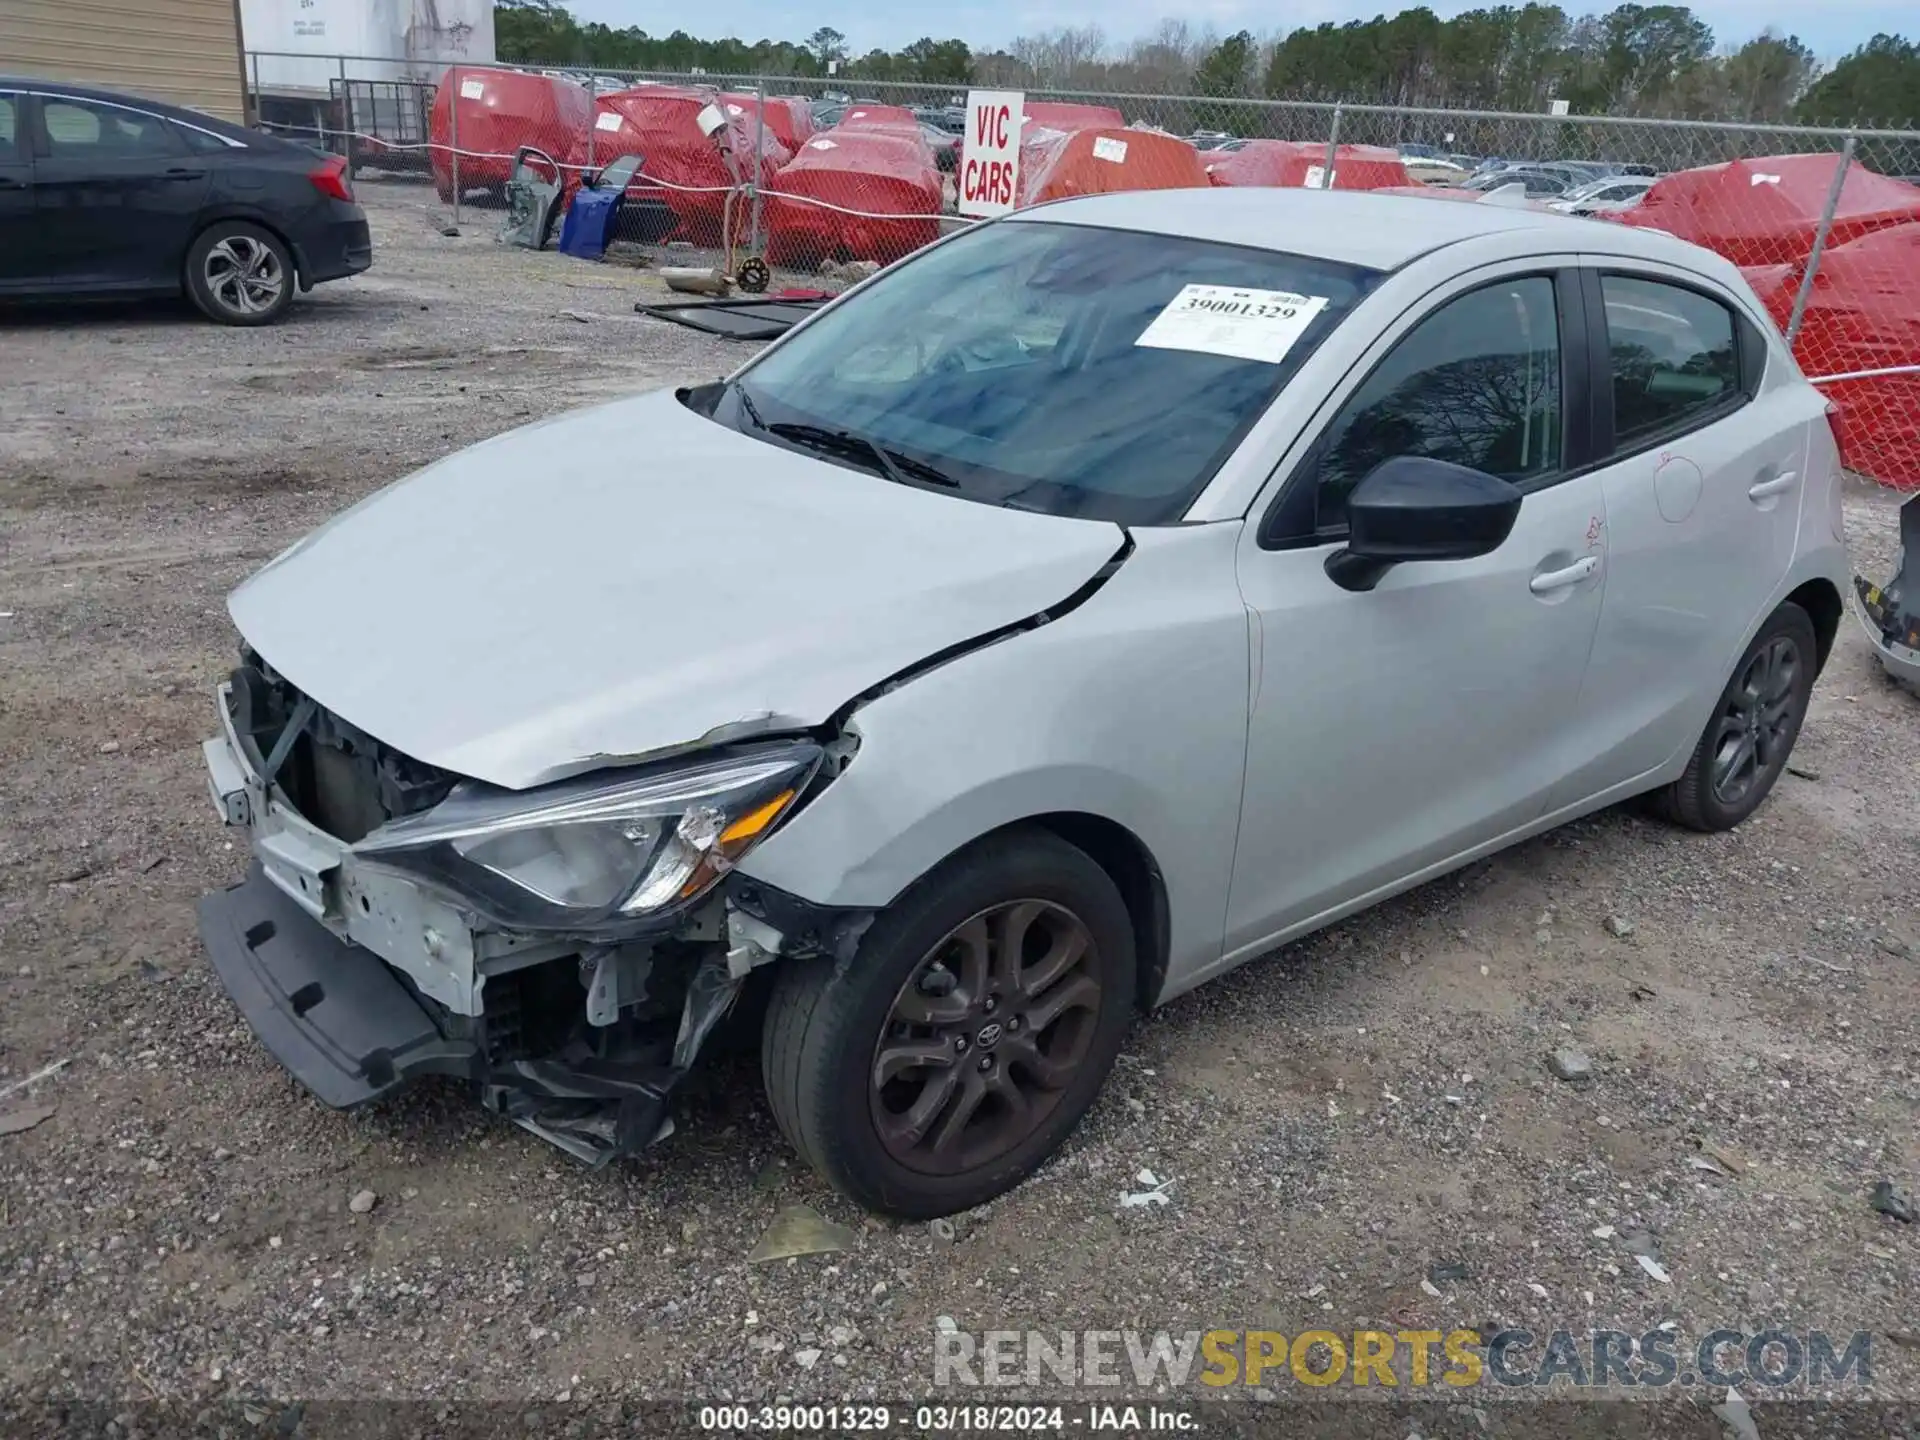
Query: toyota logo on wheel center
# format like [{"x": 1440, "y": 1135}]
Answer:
[{"x": 989, "y": 1035}]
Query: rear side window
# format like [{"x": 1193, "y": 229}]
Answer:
[
  {"x": 1674, "y": 361},
  {"x": 1476, "y": 383},
  {"x": 80, "y": 129},
  {"x": 7, "y": 124},
  {"x": 201, "y": 142}
]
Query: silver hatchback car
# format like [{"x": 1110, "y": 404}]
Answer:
[{"x": 1087, "y": 604}]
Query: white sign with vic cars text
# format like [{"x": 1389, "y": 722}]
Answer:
[
  {"x": 990, "y": 152},
  {"x": 1225, "y": 320}
]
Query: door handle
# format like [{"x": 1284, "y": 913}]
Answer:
[
  {"x": 6, "y": 184},
  {"x": 179, "y": 174},
  {"x": 1560, "y": 579},
  {"x": 1765, "y": 489}
]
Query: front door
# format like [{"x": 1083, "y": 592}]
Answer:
[
  {"x": 116, "y": 192},
  {"x": 1394, "y": 729}
]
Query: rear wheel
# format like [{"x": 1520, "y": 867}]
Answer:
[
  {"x": 968, "y": 1036},
  {"x": 240, "y": 274},
  {"x": 1746, "y": 744}
]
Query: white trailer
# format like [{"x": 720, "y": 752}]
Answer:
[{"x": 304, "y": 48}]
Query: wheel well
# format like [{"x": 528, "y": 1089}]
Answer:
[
  {"x": 1129, "y": 863},
  {"x": 1822, "y": 604},
  {"x": 299, "y": 264}
]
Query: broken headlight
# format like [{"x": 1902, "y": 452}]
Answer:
[{"x": 599, "y": 853}]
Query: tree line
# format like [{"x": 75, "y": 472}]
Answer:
[{"x": 1632, "y": 60}]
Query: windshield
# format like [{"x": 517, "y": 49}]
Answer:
[{"x": 1096, "y": 373}]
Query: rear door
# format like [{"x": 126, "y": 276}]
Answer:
[
  {"x": 1703, "y": 472},
  {"x": 115, "y": 193},
  {"x": 19, "y": 261}
]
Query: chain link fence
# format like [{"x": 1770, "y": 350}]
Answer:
[{"x": 826, "y": 180}]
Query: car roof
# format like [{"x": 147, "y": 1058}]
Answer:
[
  {"x": 1379, "y": 232},
  {"x": 199, "y": 119}
]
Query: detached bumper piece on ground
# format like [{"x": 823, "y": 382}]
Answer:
[{"x": 1892, "y": 610}]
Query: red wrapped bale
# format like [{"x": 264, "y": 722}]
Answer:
[
  {"x": 1057, "y": 164},
  {"x": 1290, "y": 162},
  {"x": 1765, "y": 211},
  {"x": 661, "y": 123},
  {"x": 1862, "y": 315},
  {"x": 498, "y": 111},
  {"x": 865, "y": 193}
]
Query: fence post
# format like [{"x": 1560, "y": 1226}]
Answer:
[
  {"x": 346, "y": 119},
  {"x": 1819, "y": 242},
  {"x": 453, "y": 137},
  {"x": 256, "y": 87},
  {"x": 1333, "y": 145},
  {"x": 759, "y": 151},
  {"x": 593, "y": 99}
]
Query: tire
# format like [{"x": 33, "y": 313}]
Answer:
[
  {"x": 1763, "y": 706},
  {"x": 240, "y": 274},
  {"x": 822, "y": 1052}
]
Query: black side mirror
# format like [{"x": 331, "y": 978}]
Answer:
[{"x": 1413, "y": 508}]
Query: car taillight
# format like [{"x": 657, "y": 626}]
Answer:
[{"x": 331, "y": 178}]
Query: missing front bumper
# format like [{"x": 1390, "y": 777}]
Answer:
[{"x": 347, "y": 1026}]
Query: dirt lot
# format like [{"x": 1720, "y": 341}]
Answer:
[{"x": 1336, "y": 1119}]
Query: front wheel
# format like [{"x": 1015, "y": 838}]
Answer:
[
  {"x": 1746, "y": 744},
  {"x": 968, "y": 1036},
  {"x": 240, "y": 274}
]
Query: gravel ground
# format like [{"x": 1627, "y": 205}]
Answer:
[{"x": 1336, "y": 1119}]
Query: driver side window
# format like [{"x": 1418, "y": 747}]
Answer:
[{"x": 1476, "y": 383}]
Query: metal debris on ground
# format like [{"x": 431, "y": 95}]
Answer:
[
  {"x": 765, "y": 319},
  {"x": 1654, "y": 1268},
  {"x": 1805, "y": 772},
  {"x": 1891, "y": 1199},
  {"x": 942, "y": 1231},
  {"x": 1737, "y": 1417},
  {"x": 1453, "y": 1270},
  {"x": 1725, "y": 1156},
  {"x": 45, "y": 1072},
  {"x": 1154, "y": 1194},
  {"x": 16, "y": 1122},
  {"x": 800, "y": 1230}
]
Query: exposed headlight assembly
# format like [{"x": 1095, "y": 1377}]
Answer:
[{"x": 599, "y": 854}]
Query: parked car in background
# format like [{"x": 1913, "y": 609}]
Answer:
[
  {"x": 1539, "y": 184},
  {"x": 1596, "y": 197},
  {"x": 1431, "y": 170},
  {"x": 1091, "y": 603},
  {"x": 103, "y": 194},
  {"x": 1211, "y": 139},
  {"x": 945, "y": 145}
]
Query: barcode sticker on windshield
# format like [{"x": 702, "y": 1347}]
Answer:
[
  {"x": 1223, "y": 320},
  {"x": 472, "y": 89},
  {"x": 1105, "y": 147},
  {"x": 607, "y": 120}
]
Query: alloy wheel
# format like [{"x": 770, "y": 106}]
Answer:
[
  {"x": 1758, "y": 721},
  {"x": 985, "y": 1036},
  {"x": 244, "y": 275}
]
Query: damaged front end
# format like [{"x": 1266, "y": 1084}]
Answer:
[
  {"x": 1892, "y": 610},
  {"x": 567, "y": 951}
]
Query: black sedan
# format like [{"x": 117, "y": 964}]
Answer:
[{"x": 109, "y": 195}]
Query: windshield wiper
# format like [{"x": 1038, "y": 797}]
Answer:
[
  {"x": 895, "y": 467},
  {"x": 751, "y": 410}
]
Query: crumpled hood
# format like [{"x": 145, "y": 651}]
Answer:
[{"x": 635, "y": 579}]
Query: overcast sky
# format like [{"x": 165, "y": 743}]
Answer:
[{"x": 1830, "y": 29}]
